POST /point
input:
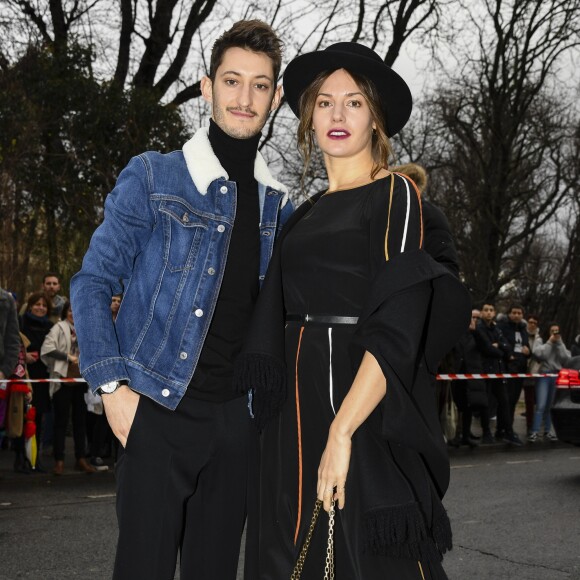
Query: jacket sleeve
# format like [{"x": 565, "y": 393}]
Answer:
[
  {"x": 54, "y": 341},
  {"x": 485, "y": 345},
  {"x": 563, "y": 353},
  {"x": 541, "y": 349},
  {"x": 128, "y": 222},
  {"x": 504, "y": 345},
  {"x": 11, "y": 339}
]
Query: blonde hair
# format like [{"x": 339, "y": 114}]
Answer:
[
  {"x": 382, "y": 150},
  {"x": 415, "y": 172}
]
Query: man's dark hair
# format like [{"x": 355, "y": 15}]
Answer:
[
  {"x": 50, "y": 275},
  {"x": 253, "y": 35},
  {"x": 487, "y": 303},
  {"x": 515, "y": 306}
]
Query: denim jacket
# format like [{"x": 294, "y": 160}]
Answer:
[{"x": 163, "y": 243}]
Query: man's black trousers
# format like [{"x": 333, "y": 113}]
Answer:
[{"x": 182, "y": 488}]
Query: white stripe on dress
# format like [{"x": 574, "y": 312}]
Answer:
[
  {"x": 330, "y": 384},
  {"x": 407, "y": 217}
]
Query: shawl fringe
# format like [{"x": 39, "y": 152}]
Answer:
[
  {"x": 399, "y": 532},
  {"x": 266, "y": 376},
  {"x": 442, "y": 528}
]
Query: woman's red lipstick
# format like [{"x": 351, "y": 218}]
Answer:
[{"x": 338, "y": 134}]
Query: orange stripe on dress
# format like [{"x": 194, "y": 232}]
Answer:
[{"x": 299, "y": 428}]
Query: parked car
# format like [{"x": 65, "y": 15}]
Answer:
[{"x": 566, "y": 406}]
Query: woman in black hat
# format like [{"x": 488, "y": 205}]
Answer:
[{"x": 350, "y": 324}]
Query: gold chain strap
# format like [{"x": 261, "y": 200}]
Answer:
[{"x": 329, "y": 564}]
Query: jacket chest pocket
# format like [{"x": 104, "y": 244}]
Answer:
[{"x": 182, "y": 233}]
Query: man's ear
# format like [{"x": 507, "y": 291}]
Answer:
[
  {"x": 277, "y": 98},
  {"x": 207, "y": 89}
]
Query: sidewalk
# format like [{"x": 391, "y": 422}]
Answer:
[
  {"x": 520, "y": 429},
  {"x": 7, "y": 472},
  {"x": 7, "y": 456}
]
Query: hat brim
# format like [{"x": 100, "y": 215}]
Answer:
[{"x": 396, "y": 99}]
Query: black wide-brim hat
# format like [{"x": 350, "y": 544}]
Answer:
[{"x": 353, "y": 57}]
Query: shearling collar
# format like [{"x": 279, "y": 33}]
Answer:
[{"x": 204, "y": 167}]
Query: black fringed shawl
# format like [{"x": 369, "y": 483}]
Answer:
[{"x": 415, "y": 313}]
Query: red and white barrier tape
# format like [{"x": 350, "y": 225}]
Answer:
[
  {"x": 457, "y": 377},
  {"x": 450, "y": 377}
]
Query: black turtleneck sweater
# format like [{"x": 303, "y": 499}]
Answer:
[{"x": 212, "y": 380}]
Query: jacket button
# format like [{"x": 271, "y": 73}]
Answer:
[
  {"x": 211, "y": 271},
  {"x": 199, "y": 312},
  {"x": 165, "y": 392},
  {"x": 266, "y": 233},
  {"x": 223, "y": 189},
  {"x": 182, "y": 355},
  {"x": 185, "y": 218},
  {"x": 221, "y": 228}
]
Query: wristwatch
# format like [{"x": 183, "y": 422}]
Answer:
[{"x": 111, "y": 387}]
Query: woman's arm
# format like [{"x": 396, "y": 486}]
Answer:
[{"x": 368, "y": 389}]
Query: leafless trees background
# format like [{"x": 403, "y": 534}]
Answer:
[{"x": 85, "y": 84}]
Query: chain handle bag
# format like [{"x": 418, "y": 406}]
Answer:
[{"x": 329, "y": 563}]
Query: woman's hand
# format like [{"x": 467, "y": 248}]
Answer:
[
  {"x": 334, "y": 469},
  {"x": 72, "y": 358}
]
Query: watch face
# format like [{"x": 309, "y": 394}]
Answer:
[{"x": 110, "y": 387}]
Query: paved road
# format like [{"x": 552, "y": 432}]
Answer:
[{"x": 515, "y": 514}]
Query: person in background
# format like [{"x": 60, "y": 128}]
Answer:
[
  {"x": 533, "y": 367},
  {"x": 19, "y": 397},
  {"x": 98, "y": 430},
  {"x": 51, "y": 287},
  {"x": 35, "y": 324},
  {"x": 9, "y": 334},
  {"x": 516, "y": 335},
  {"x": 115, "y": 305},
  {"x": 494, "y": 349},
  {"x": 438, "y": 239},
  {"x": 552, "y": 354},
  {"x": 575, "y": 346},
  {"x": 60, "y": 353},
  {"x": 469, "y": 395}
]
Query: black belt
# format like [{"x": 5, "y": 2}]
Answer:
[{"x": 321, "y": 319}]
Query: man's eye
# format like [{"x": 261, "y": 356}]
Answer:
[
  {"x": 231, "y": 82},
  {"x": 262, "y": 87}
]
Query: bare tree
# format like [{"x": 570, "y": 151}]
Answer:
[
  {"x": 140, "y": 63},
  {"x": 496, "y": 134}
]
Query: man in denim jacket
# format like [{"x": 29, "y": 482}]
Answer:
[{"x": 186, "y": 238}]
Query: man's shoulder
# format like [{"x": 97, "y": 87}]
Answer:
[
  {"x": 6, "y": 298},
  {"x": 162, "y": 160}
]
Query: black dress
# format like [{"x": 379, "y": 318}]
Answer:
[{"x": 328, "y": 260}]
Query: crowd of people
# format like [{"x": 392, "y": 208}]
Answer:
[
  {"x": 40, "y": 344},
  {"x": 511, "y": 343}
]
